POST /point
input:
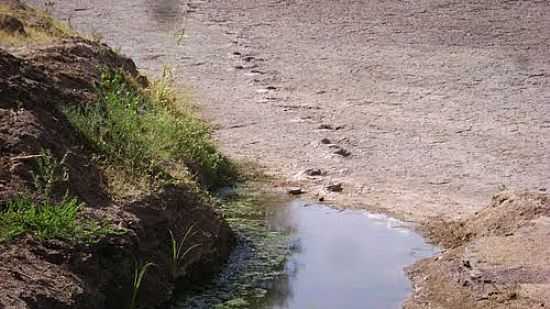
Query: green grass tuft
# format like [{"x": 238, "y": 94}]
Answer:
[
  {"x": 139, "y": 273},
  {"x": 142, "y": 131},
  {"x": 177, "y": 251},
  {"x": 48, "y": 221}
]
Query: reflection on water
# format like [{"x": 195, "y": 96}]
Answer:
[
  {"x": 168, "y": 14},
  {"x": 344, "y": 259}
]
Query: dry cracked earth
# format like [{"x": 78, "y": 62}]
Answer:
[
  {"x": 420, "y": 108},
  {"x": 437, "y": 103}
]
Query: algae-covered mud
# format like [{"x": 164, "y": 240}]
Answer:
[
  {"x": 294, "y": 255},
  {"x": 256, "y": 262}
]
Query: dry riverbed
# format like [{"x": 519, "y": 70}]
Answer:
[{"x": 420, "y": 109}]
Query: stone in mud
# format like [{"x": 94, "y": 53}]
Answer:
[
  {"x": 325, "y": 126},
  {"x": 326, "y": 141},
  {"x": 315, "y": 172},
  {"x": 342, "y": 152},
  {"x": 11, "y": 25},
  {"x": 295, "y": 191},
  {"x": 335, "y": 187}
]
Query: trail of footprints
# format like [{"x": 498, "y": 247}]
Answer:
[{"x": 248, "y": 63}]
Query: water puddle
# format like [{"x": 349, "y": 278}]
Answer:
[
  {"x": 343, "y": 259},
  {"x": 335, "y": 259}
]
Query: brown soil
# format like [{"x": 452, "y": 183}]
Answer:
[
  {"x": 428, "y": 107},
  {"x": 34, "y": 84},
  {"x": 496, "y": 259}
]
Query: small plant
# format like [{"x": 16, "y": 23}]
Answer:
[
  {"x": 48, "y": 221},
  {"x": 139, "y": 273},
  {"x": 177, "y": 254},
  {"x": 49, "y": 173}
]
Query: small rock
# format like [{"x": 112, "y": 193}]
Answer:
[
  {"x": 335, "y": 187},
  {"x": 342, "y": 152},
  {"x": 325, "y": 141},
  {"x": 321, "y": 199},
  {"x": 325, "y": 126},
  {"x": 295, "y": 191},
  {"x": 238, "y": 67},
  {"x": 315, "y": 172},
  {"x": 11, "y": 24},
  {"x": 475, "y": 274}
]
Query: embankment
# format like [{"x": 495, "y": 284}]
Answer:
[{"x": 79, "y": 217}]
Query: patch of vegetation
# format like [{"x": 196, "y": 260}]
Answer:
[
  {"x": 39, "y": 27},
  {"x": 47, "y": 220},
  {"x": 146, "y": 133},
  {"x": 258, "y": 260},
  {"x": 49, "y": 173}
]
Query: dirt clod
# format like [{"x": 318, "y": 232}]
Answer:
[
  {"x": 11, "y": 25},
  {"x": 315, "y": 172},
  {"x": 295, "y": 191},
  {"x": 342, "y": 152},
  {"x": 338, "y": 187}
]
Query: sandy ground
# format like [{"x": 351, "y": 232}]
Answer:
[{"x": 440, "y": 103}]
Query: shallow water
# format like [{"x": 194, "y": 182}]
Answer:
[{"x": 344, "y": 259}]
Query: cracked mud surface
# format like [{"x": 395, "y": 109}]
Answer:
[{"x": 438, "y": 102}]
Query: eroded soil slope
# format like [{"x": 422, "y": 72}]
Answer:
[
  {"x": 36, "y": 84},
  {"x": 496, "y": 259}
]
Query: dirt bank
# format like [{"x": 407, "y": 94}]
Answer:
[
  {"x": 495, "y": 259},
  {"x": 422, "y": 109},
  {"x": 46, "y": 159}
]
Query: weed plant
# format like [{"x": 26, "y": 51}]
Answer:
[
  {"x": 139, "y": 273},
  {"x": 49, "y": 173},
  {"x": 177, "y": 252}
]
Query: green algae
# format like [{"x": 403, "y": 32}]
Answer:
[{"x": 258, "y": 260}]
